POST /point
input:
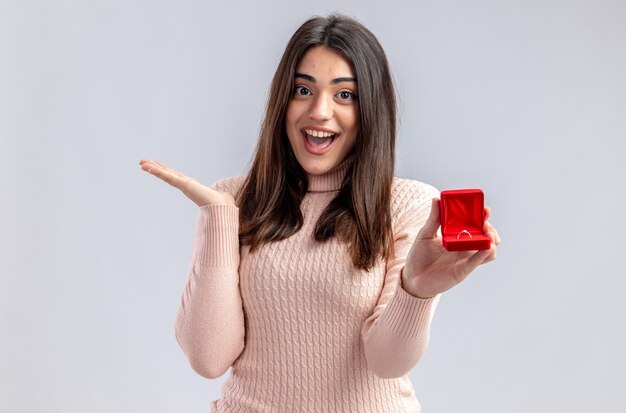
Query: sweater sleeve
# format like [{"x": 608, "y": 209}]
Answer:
[
  {"x": 396, "y": 335},
  {"x": 210, "y": 320}
]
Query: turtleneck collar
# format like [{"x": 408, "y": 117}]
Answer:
[{"x": 331, "y": 180}]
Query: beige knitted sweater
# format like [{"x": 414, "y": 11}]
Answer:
[{"x": 301, "y": 327}]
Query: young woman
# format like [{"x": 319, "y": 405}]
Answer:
[{"x": 316, "y": 275}]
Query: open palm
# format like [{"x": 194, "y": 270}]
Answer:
[{"x": 201, "y": 195}]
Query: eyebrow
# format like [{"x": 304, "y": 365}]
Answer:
[{"x": 332, "y": 82}]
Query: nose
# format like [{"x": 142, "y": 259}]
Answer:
[{"x": 322, "y": 108}]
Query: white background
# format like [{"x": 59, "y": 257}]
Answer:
[{"x": 525, "y": 99}]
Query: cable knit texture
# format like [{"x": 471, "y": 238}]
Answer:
[{"x": 301, "y": 327}]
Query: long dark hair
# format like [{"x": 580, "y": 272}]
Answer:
[{"x": 359, "y": 215}]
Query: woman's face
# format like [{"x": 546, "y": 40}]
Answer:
[{"x": 322, "y": 116}]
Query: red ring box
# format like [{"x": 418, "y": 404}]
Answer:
[{"x": 462, "y": 211}]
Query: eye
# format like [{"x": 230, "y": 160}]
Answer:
[
  {"x": 346, "y": 95},
  {"x": 301, "y": 90}
]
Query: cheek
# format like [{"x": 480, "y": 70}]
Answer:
[
  {"x": 294, "y": 112},
  {"x": 351, "y": 120},
  {"x": 289, "y": 117},
  {"x": 291, "y": 129}
]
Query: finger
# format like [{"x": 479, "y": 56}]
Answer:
[
  {"x": 147, "y": 165},
  {"x": 163, "y": 171},
  {"x": 481, "y": 257},
  {"x": 163, "y": 166},
  {"x": 151, "y": 168},
  {"x": 146, "y": 162},
  {"x": 489, "y": 229},
  {"x": 491, "y": 232},
  {"x": 496, "y": 235},
  {"x": 155, "y": 164},
  {"x": 177, "y": 180},
  {"x": 172, "y": 170},
  {"x": 429, "y": 230},
  {"x": 158, "y": 171}
]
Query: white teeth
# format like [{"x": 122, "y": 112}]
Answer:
[{"x": 319, "y": 133}]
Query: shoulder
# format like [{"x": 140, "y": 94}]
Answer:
[
  {"x": 229, "y": 185},
  {"x": 411, "y": 197}
]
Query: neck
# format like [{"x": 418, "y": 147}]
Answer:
[{"x": 331, "y": 180}]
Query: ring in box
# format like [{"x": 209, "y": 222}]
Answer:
[{"x": 462, "y": 213}]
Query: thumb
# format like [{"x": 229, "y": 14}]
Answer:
[{"x": 429, "y": 230}]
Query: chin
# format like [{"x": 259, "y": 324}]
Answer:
[
  {"x": 316, "y": 170},
  {"x": 317, "y": 167}
]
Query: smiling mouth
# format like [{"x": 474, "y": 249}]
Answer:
[{"x": 319, "y": 139}]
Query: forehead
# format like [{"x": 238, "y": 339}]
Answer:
[{"x": 323, "y": 62}]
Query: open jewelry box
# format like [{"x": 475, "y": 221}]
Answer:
[{"x": 462, "y": 213}]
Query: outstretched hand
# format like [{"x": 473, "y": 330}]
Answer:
[
  {"x": 201, "y": 195},
  {"x": 430, "y": 269}
]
